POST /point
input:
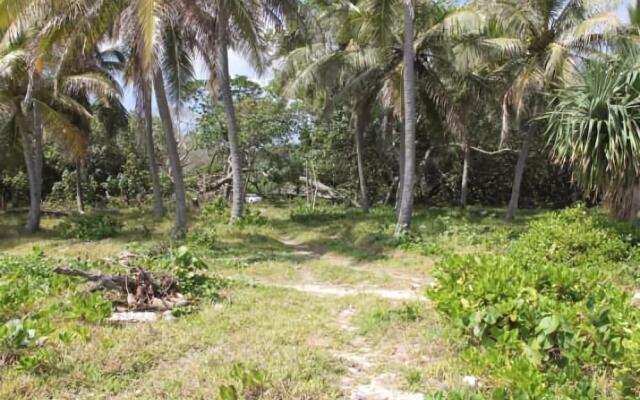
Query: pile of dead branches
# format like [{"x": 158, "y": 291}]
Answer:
[{"x": 138, "y": 290}]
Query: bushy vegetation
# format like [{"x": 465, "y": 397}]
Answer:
[
  {"x": 40, "y": 310},
  {"x": 190, "y": 272},
  {"x": 548, "y": 320},
  {"x": 89, "y": 226}
]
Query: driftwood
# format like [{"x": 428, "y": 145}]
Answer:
[
  {"x": 324, "y": 190},
  {"x": 101, "y": 282},
  {"x": 142, "y": 290},
  {"x": 211, "y": 188},
  {"x": 327, "y": 192}
]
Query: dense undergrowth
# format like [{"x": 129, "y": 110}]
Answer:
[
  {"x": 543, "y": 307},
  {"x": 41, "y": 312},
  {"x": 550, "y": 318}
]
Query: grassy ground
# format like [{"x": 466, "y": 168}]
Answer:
[{"x": 304, "y": 344}]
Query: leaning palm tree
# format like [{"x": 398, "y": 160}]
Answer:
[
  {"x": 542, "y": 42},
  {"x": 39, "y": 95},
  {"x": 239, "y": 25},
  {"x": 150, "y": 29},
  {"x": 59, "y": 109},
  {"x": 594, "y": 127}
]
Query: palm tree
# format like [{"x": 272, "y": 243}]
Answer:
[
  {"x": 238, "y": 24},
  {"x": 355, "y": 65},
  {"x": 38, "y": 93},
  {"x": 409, "y": 91},
  {"x": 150, "y": 29},
  {"x": 542, "y": 41},
  {"x": 362, "y": 61},
  {"x": 172, "y": 150},
  {"x": 594, "y": 127},
  {"x": 58, "y": 104},
  {"x": 144, "y": 105}
]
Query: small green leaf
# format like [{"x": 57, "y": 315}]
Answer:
[{"x": 549, "y": 324}]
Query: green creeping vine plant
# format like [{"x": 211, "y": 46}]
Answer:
[{"x": 550, "y": 320}]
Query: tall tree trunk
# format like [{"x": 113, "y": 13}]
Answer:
[
  {"x": 519, "y": 172},
  {"x": 158, "y": 206},
  {"x": 361, "y": 125},
  {"x": 33, "y": 156},
  {"x": 406, "y": 205},
  {"x": 237, "y": 202},
  {"x": 79, "y": 194},
  {"x": 464, "y": 188},
  {"x": 180, "y": 227},
  {"x": 400, "y": 172}
]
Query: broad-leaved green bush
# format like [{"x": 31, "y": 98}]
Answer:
[
  {"x": 191, "y": 274},
  {"x": 37, "y": 305},
  {"x": 547, "y": 321}
]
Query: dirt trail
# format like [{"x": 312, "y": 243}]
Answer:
[
  {"x": 366, "y": 377},
  {"x": 343, "y": 291},
  {"x": 362, "y": 380}
]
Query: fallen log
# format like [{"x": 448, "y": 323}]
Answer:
[
  {"x": 327, "y": 192},
  {"x": 122, "y": 283},
  {"x": 321, "y": 187}
]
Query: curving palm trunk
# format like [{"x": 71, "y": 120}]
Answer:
[
  {"x": 361, "y": 125},
  {"x": 519, "y": 172},
  {"x": 517, "y": 179},
  {"x": 222, "y": 66},
  {"x": 409, "y": 173},
  {"x": 158, "y": 206},
  {"x": 33, "y": 156},
  {"x": 180, "y": 227},
  {"x": 464, "y": 188}
]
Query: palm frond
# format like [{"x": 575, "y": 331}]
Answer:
[
  {"x": 92, "y": 83},
  {"x": 58, "y": 127}
]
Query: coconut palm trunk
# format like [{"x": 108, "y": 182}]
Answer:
[
  {"x": 519, "y": 172},
  {"x": 406, "y": 204},
  {"x": 400, "y": 171},
  {"x": 464, "y": 187},
  {"x": 222, "y": 66},
  {"x": 361, "y": 125},
  {"x": 158, "y": 206},
  {"x": 79, "y": 194},
  {"x": 33, "y": 157},
  {"x": 180, "y": 227}
]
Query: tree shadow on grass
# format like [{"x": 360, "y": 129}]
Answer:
[{"x": 251, "y": 248}]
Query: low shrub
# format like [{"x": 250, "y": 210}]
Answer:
[
  {"x": 252, "y": 217},
  {"x": 248, "y": 383},
  {"x": 215, "y": 211},
  {"x": 190, "y": 273},
  {"x": 37, "y": 305},
  {"x": 547, "y": 321},
  {"x": 89, "y": 226},
  {"x": 204, "y": 236}
]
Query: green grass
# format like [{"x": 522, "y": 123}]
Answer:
[{"x": 291, "y": 339}]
